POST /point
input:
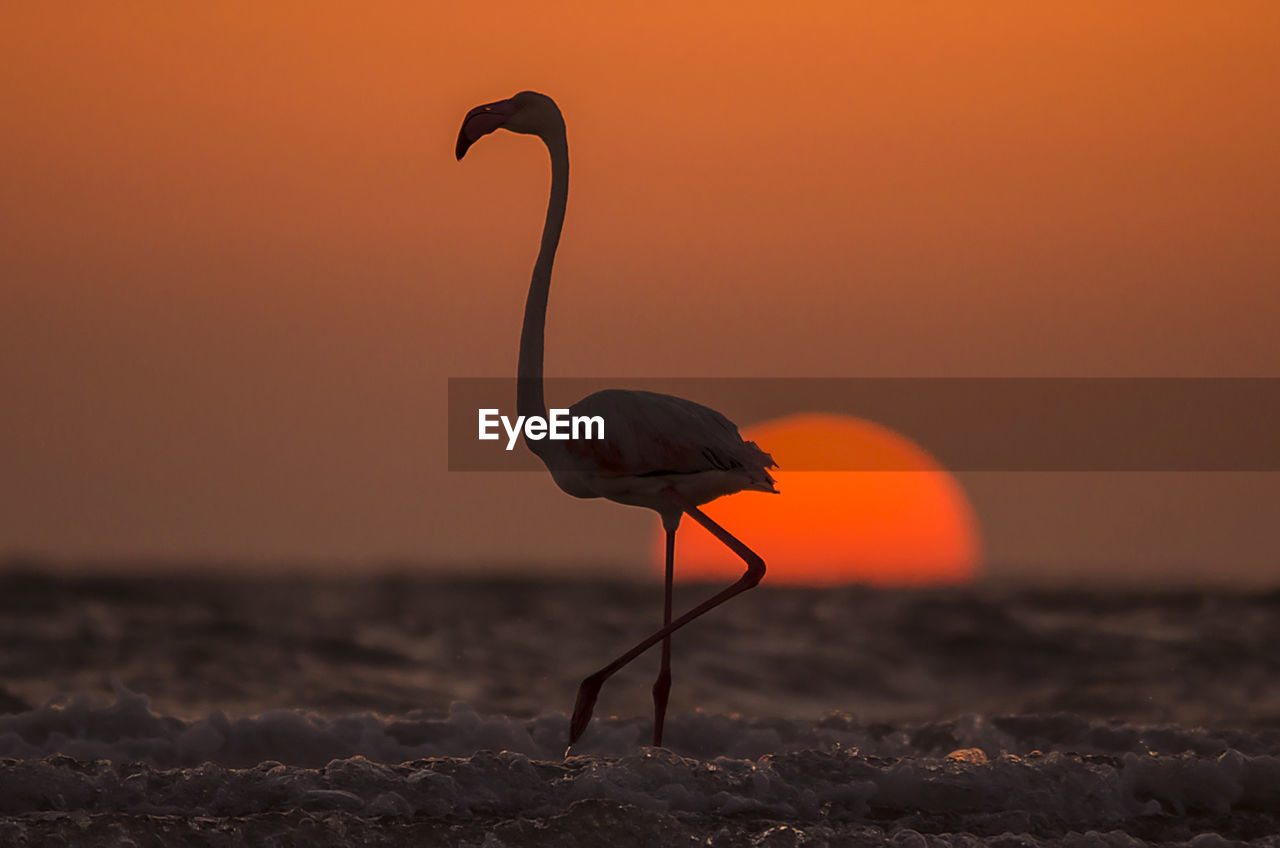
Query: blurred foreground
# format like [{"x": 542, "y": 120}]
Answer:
[{"x": 302, "y": 711}]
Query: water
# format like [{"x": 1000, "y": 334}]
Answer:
[{"x": 388, "y": 711}]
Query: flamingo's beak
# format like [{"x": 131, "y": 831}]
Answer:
[{"x": 481, "y": 121}]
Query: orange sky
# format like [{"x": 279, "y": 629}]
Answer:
[{"x": 239, "y": 259}]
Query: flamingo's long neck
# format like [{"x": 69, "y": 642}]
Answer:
[{"x": 529, "y": 397}]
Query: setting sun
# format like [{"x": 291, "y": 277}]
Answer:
[{"x": 910, "y": 525}]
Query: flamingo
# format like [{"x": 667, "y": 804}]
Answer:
[{"x": 663, "y": 453}]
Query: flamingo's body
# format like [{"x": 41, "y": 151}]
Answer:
[
  {"x": 661, "y": 452},
  {"x": 655, "y": 442}
]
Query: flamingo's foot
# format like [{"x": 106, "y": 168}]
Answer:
[
  {"x": 587, "y": 694},
  {"x": 661, "y": 691}
]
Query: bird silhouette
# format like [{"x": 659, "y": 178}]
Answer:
[{"x": 660, "y": 452}]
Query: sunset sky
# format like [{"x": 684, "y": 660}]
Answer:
[{"x": 238, "y": 261}]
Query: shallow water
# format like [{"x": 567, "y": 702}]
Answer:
[{"x": 180, "y": 711}]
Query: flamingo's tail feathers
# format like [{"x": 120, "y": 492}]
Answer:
[{"x": 761, "y": 479}]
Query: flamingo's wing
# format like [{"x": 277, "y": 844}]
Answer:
[{"x": 650, "y": 434}]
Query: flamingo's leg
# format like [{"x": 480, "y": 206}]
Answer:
[
  {"x": 662, "y": 686},
  {"x": 590, "y": 688}
]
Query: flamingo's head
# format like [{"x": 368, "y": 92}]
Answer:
[{"x": 528, "y": 112}]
